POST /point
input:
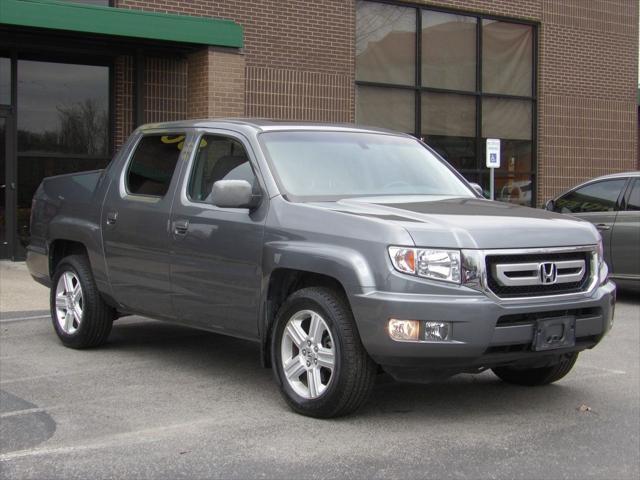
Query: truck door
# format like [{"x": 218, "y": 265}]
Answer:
[
  {"x": 216, "y": 253},
  {"x": 135, "y": 222}
]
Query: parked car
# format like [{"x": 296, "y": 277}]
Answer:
[
  {"x": 612, "y": 204},
  {"x": 342, "y": 251}
]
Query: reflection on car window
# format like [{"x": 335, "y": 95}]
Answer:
[
  {"x": 596, "y": 197},
  {"x": 219, "y": 158},
  {"x": 153, "y": 163},
  {"x": 634, "y": 198}
]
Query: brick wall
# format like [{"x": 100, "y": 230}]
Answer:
[
  {"x": 299, "y": 63},
  {"x": 123, "y": 93},
  {"x": 306, "y": 46},
  {"x": 216, "y": 83},
  {"x": 588, "y": 83}
]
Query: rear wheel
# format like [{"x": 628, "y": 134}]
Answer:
[
  {"x": 537, "y": 376},
  {"x": 80, "y": 316},
  {"x": 319, "y": 361}
]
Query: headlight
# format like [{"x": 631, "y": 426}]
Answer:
[
  {"x": 430, "y": 263},
  {"x": 600, "y": 251},
  {"x": 603, "y": 269}
]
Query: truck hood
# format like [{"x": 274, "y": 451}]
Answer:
[{"x": 447, "y": 222}]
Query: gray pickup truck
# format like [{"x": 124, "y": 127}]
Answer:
[{"x": 342, "y": 251}]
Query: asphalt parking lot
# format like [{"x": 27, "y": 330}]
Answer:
[{"x": 162, "y": 401}]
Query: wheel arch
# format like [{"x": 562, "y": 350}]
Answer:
[
  {"x": 281, "y": 283},
  {"x": 61, "y": 248}
]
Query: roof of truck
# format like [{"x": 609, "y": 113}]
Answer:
[{"x": 264, "y": 125}]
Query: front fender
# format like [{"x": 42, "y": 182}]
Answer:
[{"x": 347, "y": 266}]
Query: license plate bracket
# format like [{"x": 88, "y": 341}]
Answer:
[{"x": 553, "y": 333}]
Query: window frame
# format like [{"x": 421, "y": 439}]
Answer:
[
  {"x": 478, "y": 93},
  {"x": 619, "y": 200},
  {"x": 127, "y": 166},
  {"x": 191, "y": 161},
  {"x": 192, "y": 164}
]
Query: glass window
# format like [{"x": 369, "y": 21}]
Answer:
[
  {"x": 507, "y": 58},
  {"x": 449, "y": 126},
  {"x": 448, "y": 51},
  {"x": 385, "y": 43},
  {"x": 346, "y": 164},
  {"x": 386, "y": 107},
  {"x": 510, "y": 121},
  {"x": 153, "y": 164},
  {"x": 63, "y": 108},
  {"x": 63, "y": 125},
  {"x": 5, "y": 81},
  {"x": 506, "y": 119},
  {"x": 634, "y": 198},
  {"x": 595, "y": 197},
  {"x": 455, "y": 125},
  {"x": 218, "y": 158}
]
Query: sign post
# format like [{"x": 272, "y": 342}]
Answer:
[{"x": 493, "y": 162}]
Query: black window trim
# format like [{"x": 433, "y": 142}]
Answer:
[
  {"x": 418, "y": 88},
  {"x": 127, "y": 166}
]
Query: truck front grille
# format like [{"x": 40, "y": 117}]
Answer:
[{"x": 538, "y": 274}]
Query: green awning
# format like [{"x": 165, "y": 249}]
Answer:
[{"x": 77, "y": 17}]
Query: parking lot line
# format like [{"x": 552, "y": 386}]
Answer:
[
  {"x": 19, "y": 319},
  {"x": 116, "y": 440}
]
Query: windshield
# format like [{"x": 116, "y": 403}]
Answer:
[{"x": 335, "y": 165}]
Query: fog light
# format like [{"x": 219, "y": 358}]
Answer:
[
  {"x": 404, "y": 330},
  {"x": 437, "y": 331}
]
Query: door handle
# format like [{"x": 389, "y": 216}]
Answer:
[
  {"x": 603, "y": 226},
  {"x": 112, "y": 218},
  {"x": 181, "y": 227}
]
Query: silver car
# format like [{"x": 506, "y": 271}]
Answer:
[{"x": 612, "y": 204}]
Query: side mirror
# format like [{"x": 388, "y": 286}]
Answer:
[
  {"x": 477, "y": 188},
  {"x": 234, "y": 194},
  {"x": 550, "y": 205}
]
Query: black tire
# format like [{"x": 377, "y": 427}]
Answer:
[
  {"x": 97, "y": 316},
  {"x": 354, "y": 371},
  {"x": 533, "y": 377}
]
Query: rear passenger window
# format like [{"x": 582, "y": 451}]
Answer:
[
  {"x": 218, "y": 158},
  {"x": 596, "y": 197},
  {"x": 153, "y": 164}
]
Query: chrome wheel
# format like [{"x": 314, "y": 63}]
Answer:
[
  {"x": 69, "y": 302},
  {"x": 307, "y": 354}
]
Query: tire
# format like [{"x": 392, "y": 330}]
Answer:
[
  {"x": 336, "y": 391},
  {"x": 533, "y": 377},
  {"x": 81, "y": 320}
]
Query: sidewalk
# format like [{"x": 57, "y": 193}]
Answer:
[{"x": 19, "y": 292}]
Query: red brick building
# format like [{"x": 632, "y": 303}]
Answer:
[{"x": 555, "y": 81}]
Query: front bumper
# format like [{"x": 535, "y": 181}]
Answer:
[{"x": 485, "y": 332}]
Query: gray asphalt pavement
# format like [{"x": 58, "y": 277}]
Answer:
[{"x": 162, "y": 401}]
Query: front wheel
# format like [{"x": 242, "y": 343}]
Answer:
[
  {"x": 319, "y": 361},
  {"x": 80, "y": 316},
  {"x": 537, "y": 376}
]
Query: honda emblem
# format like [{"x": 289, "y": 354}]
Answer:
[{"x": 548, "y": 273}]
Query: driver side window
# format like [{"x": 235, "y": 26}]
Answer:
[{"x": 218, "y": 158}]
